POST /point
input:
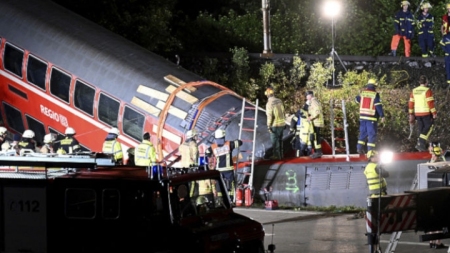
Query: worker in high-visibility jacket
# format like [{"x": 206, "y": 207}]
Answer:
[
  {"x": 49, "y": 143},
  {"x": 222, "y": 150},
  {"x": 27, "y": 141},
  {"x": 275, "y": 122},
  {"x": 422, "y": 109},
  {"x": 425, "y": 23},
  {"x": 375, "y": 175},
  {"x": 189, "y": 150},
  {"x": 69, "y": 144},
  {"x": 304, "y": 132},
  {"x": 436, "y": 152},
  {"x": 145, "y": 153},
  {"x": 370, "y": 110},
  {"x": 445, "y": 42},
  {"x": 315, "y": 117},
  {"x": 112, "y": 146},
  {"x": 3, "y": 134}
]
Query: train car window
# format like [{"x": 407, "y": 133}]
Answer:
[
  {"x": 108, "y": 110},
  {"x": 14, "y": 118},
  {"x": 111, "y": 203},
  {"x": 36, "y": 70},
  {"x": 59, "y": 135},
  {"x": 38, "y": 129},
  {"x": 84, "y": 97},
  {"x": 13, "y": 59},
  {"x": 133, "y": 123},
  {"x": 80, "y": 203},
  {"x": 60, "y": 84}
]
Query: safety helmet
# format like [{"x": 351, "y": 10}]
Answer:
[
  {"x": 220, "y": 133},
  {"x": 426, "y": 5},
  {"x": 114, "y": 130},
  {"x": 372, "y": 81},
  {"x": 70, "y": 130},
  {"x": 49, "y": 138},
  {"x": 28, "y": 134},
  {"x": 201, "y": 200},
  {"x": 309, "y": 92},
  {"x": 435, "y": 148},
  {"x": 191, "y": 133},
  {"x": 404, "y": 3},
  {"x": 269, "y": 91},
  {"x": 3, "y": 130},
  {"x": 371, "y": 154}
]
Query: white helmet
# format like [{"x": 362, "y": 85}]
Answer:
[
  {"x": 114, "y": 130},
  {"x": 70, "y": 130},
  {"x": 28, "y": 134},
  {"x": 3, "y": 130},
  {"x": 48, "y": 138},
  {"x": 191, "y": 133},
  {"x": 220, "y": 133}
]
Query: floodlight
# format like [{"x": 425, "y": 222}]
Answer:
[
  {"x": 331, "y": 9},
  {"x": 386, "y": 157}
]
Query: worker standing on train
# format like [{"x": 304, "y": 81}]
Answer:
[
  {"x": 112, "y": 146},
  {"x": 222, "y": 150},
  {"x": 49, "y": 143},
  {"x": 425, "y": 23},
  {"x": 422, "y": 109},
  {"x": 3, "y": 133},
  {"x": 436, "y": 152},
  {"x": 445, "y": 42},
  {"x": 375, "y": 175},
  {"x": 370, "y": 110},
  {"x": 304, "y": 133},
  {"x": 189, "y": 150},
  {"x": 404, "y": 29},
  {"x": 27, "y": 141},
  {"x": 69, "y": 144},
  {"x": 315, "y": 117},
  {"x": 275, "y": 123},
  {"x": 145, "y": 153}
]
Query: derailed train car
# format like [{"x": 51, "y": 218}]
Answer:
[{"x": 58, "y": 69}]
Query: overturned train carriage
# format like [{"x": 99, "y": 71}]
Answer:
[{"x": 58, "y": 69}]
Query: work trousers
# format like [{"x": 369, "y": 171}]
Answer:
[
  {"x": 425, "y": 127},
  {"x": 276, "y": 136},
  {"x": 367, "y": 131},
  {"x": 426, "y": 43},
  {"x": 396, "y": 39}
]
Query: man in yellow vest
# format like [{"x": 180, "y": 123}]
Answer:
[
  {"x": 304, "y": 133},
  {"x": 376, "y": 182},
  {"x": 422, "y": 109},
  {"x": 145, "y": 153},
  {"x": 436, "y": 152},
  {"x": 189, "y": 150},
  {"x": 370, "y": 110},
  {"x": 275, "y": 122},
  {"x": 315, "y": 116},
  {"x": 112, "y": 146},
  {"x": 69, "y": 144}
]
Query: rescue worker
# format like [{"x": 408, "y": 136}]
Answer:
[
  {"x": 421, "y": 108},
  {"x": 223, "y": 150},
  {"x": 145, "y": 153},
  {"x": 189, "y": 150},
  {"x": 425, "y": 23},
  {"x": 27, "y": 141},
  {"x": 376, "y": 182},
  {"x": 315, "y": 117},
  {"x": 304, "y": 133},
  {"x": 370, "y": 110},
  {"x": 15, "y": 143},
  {"x": 69, "y": 144},
  {"x": 275, "y": 122},
  {"x": 404, "y": 29},
  {"x": 112, "y": 146},
  {"x": 445, "y": 42},
  {"x": 3, "y": 133},
  {"x": 49, "y": 143},
  {"x": 436, "y": 152}
]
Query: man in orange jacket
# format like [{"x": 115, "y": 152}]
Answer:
[{"x": 421, "y": 108}]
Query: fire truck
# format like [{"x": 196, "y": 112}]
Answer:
[{"x": 85, "y": 203}]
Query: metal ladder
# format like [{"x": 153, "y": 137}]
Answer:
[
  {"x": 395, "y": 236},
  {"x": 338, "y": 113},
  {"x": 251, "y": 153}
]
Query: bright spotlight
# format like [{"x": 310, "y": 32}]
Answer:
[
  {"x": 332, "y": 8},
  {"x": 386, "y": 157}
]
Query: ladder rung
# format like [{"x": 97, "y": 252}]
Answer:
[
  {"x": 337, "y": 117},
  {"x": 248, "y": 129},
  {"x": 340, "y": 150},
  {"x": 339, "y": 139},
  {"x": 250, "y": 107},
  {"x": 338, "y": 128},
  {"x": 249, "y": 118},
  {"x": 247, "y": 140}
]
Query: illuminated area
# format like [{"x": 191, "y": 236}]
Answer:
[
  {"x": 331, "y": 9},
  {"x": 386, "y": 157}
]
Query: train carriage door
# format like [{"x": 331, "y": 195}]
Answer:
[{"x": 24, "y": 217}]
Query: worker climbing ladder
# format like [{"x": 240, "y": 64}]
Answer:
[
  {"x": 395, "y": 236},
  {"x": 244, "y": 187},
  {"x": 338, "y": 123}
]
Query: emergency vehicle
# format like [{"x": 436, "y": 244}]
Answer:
[{"x": 85, "y": 203}]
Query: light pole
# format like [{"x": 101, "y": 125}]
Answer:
[{"x": 331, "y": 10}]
